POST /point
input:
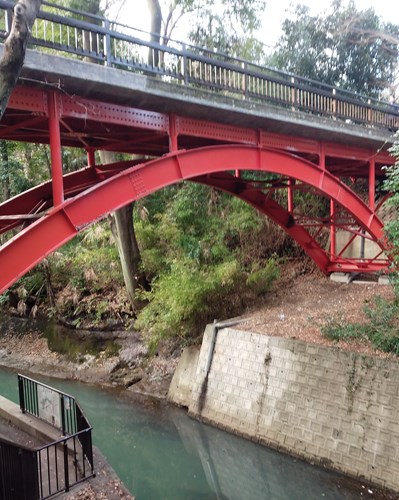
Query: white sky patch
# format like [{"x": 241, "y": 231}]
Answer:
[
  {"x": 277, "y": 11},
  {"x": 135, "y": 14}
]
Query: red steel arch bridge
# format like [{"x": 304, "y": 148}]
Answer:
[{"x": 191, "y": 115}]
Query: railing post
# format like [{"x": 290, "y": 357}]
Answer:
[
  {"x": 369, "y": 112},
  {"x": 245, "y": 80},
  {"x": 107, "y": 44},
  {"x": 293, "y": 93},
  {"x": 66, "y": 466},
  {"x": 334, "y": 104},
  {"x": 62, "y": 403},
  {"x": 185, "y": 65},
  {"x": 21, "y": 393}
]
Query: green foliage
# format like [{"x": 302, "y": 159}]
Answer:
[
  {"x": 262, "y": 279},
  {"x": 391, "y": 229},
  {"x": 381, "y": 328},
  {"x": 347, "y": 48},
  {"x": 4, "y": 298},
  {"x": 194, "y": 253},
  {"x": 183, "y": 300},
  {"x": 84, "y": 281}
]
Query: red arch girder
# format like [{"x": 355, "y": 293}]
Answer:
[
  {"x": 31, "y": 204},
  {"x": 62, "y": 223},
  {"x": 248, "y": 192},
  {"x": 267, "y": 206}
]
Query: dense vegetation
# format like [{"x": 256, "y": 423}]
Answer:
[{"x": 204, "y": 255}]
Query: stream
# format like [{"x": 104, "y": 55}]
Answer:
[{"x": 160, "y": 453}]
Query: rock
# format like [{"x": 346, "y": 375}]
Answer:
[
  {"x": 85, "y": 361},
  {"x": 126, "y": 377}
]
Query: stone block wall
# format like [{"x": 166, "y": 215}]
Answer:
[{"x": 332, "y": 407}]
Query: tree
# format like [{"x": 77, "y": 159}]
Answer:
[
  {"x": 25, "y": 12},
  {"x": 391, "y": 185},
  {"x": 347, "y": 48},
  {"x": 227, "y": 26},
  {"x": 156, "y": 26}
]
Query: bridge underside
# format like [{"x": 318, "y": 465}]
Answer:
[{"x": 264, "y": 169}]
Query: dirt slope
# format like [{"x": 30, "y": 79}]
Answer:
[{"x": 299, "y": 306}]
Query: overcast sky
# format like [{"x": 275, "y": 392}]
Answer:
[{"x": 276, "y": 10}]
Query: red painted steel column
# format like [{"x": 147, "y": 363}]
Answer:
[
  {"x": 173, "y": 145},
  {"x": 91, "y": 157},
  {"x": 372, "y": 183},
  {"x": 333, "y": 237},
  {"x": 55, "y": 148},
  {"x": 290, "y": 201}
]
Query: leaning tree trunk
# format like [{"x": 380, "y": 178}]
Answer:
[
  {"x": 25, "y": 12},
  {"x": 5, "y": 172},
  {"x": 122, "y": 228}
]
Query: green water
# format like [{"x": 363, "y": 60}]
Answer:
[{"x": 160, "y": 453}]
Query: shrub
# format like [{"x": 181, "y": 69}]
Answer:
[
  {"x": 183, "y": 300},
  {"x": 381, "y": 328}
]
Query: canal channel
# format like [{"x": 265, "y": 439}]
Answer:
[{"x": 160, "y": 453}]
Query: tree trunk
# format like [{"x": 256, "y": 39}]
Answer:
[
  {"x": 122, "y": 228},
  {"x": 156, "y": 25},
  {"x": 25, "y": 12},
  {"x": 5, "y": 171}
]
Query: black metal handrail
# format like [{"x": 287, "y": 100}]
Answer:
[
  {"x": 19, "y": 478},
  {"x": 68, "y": 461},
  {"x": 41, "y": 473},
  {"x": 113, "y": 44},
  {"x": 63, "y": 464},
  {"x": 66, "y": 412}
]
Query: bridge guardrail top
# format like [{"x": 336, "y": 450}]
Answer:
[{"x": 93, "y": 38}]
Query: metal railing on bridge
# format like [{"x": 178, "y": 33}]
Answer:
[{"x": 59, "y": 29}]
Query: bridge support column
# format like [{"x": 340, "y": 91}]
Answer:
[
  {"x": 290, "y": 197},
  {"x": 173, "y": 144},
  {"x": 333, "y": 241},
  {"x": 372, "y": 183},
  {"x": 333, "y": 232},
  {"x": 55, "y": 148},
  {"x": 91, "y": 157}
]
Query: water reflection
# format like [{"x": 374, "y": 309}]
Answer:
[{"x": 160, "y": 453}]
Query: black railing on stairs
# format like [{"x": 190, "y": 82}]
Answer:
[
  {"x": 19, "y": 479},
  {"x": 62, "y": 30},
  {"x": 44, "y": 472}
]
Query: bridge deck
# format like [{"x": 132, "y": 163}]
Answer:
[
  {"x": 125, "y": 88},
  {"x": 105, "y": 108}
]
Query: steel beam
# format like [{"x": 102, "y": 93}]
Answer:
[
  {"x": 54, "y": 115},
  {"x": 62, "y": 223}
]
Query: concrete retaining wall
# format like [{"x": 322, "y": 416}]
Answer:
[{"x": 335, "y": 408}]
